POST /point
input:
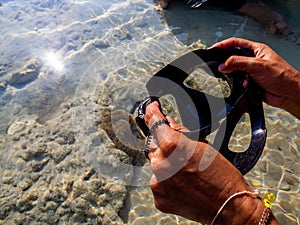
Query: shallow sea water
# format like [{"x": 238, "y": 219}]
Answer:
[{"x": 70, "y": 74}]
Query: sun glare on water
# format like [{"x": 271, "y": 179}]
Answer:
[{"x": 54, "y": 61}]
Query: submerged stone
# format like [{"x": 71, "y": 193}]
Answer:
[{"x": 27, "y": 74}]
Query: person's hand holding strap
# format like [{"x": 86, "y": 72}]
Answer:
[
  {"x": 193, "y": 180},
  {"x": 279, "y": 79}
]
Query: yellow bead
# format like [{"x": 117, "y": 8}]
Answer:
[{"x": 269, "y": 199}]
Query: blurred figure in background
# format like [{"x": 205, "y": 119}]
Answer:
[{"x": 272, "y": 21}]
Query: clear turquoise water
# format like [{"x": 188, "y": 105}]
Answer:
[{"x": 70, "y": 72}]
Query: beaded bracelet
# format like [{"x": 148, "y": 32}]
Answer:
[
  {"x": 268, "y": 200},
  {"x": 150, "y": 134},
  {"x": 255, "y": 193}
]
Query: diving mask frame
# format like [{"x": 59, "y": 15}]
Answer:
[{"x": 196, "y": 110}]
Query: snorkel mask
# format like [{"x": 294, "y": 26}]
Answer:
[{"x": 203, "y": 114}]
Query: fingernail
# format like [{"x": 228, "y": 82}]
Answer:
[
  {"x": 221, "y": 67},
  {"x": 245, "y": 83},
  {"x": 211, "y": 46}
]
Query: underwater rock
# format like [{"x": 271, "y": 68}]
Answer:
[
  {"x": 2, "y": 86},
  {"x": 50, "y": 182},
  {"x": 29, "y": 73},
  {"x": 57, "y": 153},
  {"x": 3, "y": 69},
  {"x": 101, "y": 44},
  {"x": 21, "y": 128}
]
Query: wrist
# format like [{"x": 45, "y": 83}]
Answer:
[
  {"x": 244, "y": 209},
  {"x": 241, "y": 210},
  {"x": 292, "y": 103},
  {"x": 285, "y": 95}
]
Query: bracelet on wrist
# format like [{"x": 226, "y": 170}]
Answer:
[{"x": 268, "y": 200}]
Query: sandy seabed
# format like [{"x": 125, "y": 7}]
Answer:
[{"x": 70, "y": 73}]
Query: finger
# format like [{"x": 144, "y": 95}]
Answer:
[
  {"x": 164, "y": 3},
  {"x": 159, "y": 131},
  {"x": 153, "y": 182},
  {"x": 237, "y": 42},
  {"x": 159, "y": 186},
  {"x": 233, "y": 63},
  {"x": 164, "y": 137},
  {"x": 165, "y": 204},
  {"x": 161, "y": 192},
  {"x": 175, "y": 125},
  {"x": 165, "y": 141},
  {"x": 153, "y": 114}
]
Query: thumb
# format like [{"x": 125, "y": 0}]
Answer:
[
  {"x": 164, "y": 3},
  {"x": 153, "y": 114},
  {"x": 175, "y": 125},
  {"x": 163, "y": 137}
]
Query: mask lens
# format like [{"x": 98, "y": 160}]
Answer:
[{"x": 203, "y": 81}]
